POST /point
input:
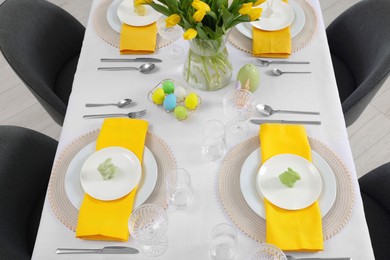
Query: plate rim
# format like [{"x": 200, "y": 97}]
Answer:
[
  {"x": 286, "y": 8},
  {"x": 284, "y": 204},
  {"x": 259, "y": 209},
  {"x": 141, "y": 20},
  {"x": 125, "y": 189},
  {"x": 69, "y": 182}
]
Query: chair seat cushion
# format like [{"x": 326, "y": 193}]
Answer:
[{"x": 344, "y": 78}]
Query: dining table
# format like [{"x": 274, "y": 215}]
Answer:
[{"x": 180, "y": 143}]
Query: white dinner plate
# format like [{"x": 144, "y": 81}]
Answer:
[
  {"x": 112, "y": 16},
  {"x": 126, "y": 178},
  {"x": 295, "y": 27},
  {"x": 304, "y": 192},
  {"x": 127, "y": 15},
  {"x": 248, "y": 185},
  {"x": 282, "y": 17},
  {"x": 72, "y": 178}
]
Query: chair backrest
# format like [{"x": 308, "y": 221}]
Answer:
[
  {"x": 374, "y": 188},
  {"x": 39, "y": 40},
  {"x": 25, "y": 166},
  {"x": 360, "y": 39}
]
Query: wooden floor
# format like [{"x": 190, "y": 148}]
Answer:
[{"x": 369, "y": 136}]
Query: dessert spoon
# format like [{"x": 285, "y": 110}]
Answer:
[
  {"x": 121, "y": 103},
  {"x": 144, "y": 68},
  {"x": 267, "y": 111},
  {"x": 278, "y": 72}
]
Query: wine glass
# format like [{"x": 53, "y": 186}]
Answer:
[
  {"x": 171, "y": 34},
  {"x": 148, "y": 225},
  {"x": 238, "y": 104},
  {"x": 266, "y": 251}
]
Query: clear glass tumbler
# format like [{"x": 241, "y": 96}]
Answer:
[
  {"x": 180, "y": 191},
  {"x": 223, "y": 242},
  {"x": 214, "y": 140}
]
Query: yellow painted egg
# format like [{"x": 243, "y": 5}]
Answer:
[
  {"x": 158, "y": 96},
  {"x": 191, "y": 101}
]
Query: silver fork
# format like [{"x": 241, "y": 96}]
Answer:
[
  {"x": 289, "y": 257},
  {"x": 135, "y": 114}
]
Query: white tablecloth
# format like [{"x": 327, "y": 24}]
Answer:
[{"x": 189, "y": 230}]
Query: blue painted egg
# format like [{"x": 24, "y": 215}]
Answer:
[{"x": 169, "y": 102}]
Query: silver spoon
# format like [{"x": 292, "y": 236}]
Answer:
[
  {"x": 278, "y": 72},
  {"x": 120, "y": 104},
  {"x": 144, "y": 68},
  {"x": 267, "y": 111},
  {"x": 265, "y": 63}
]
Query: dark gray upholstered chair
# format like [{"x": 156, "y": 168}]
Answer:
[
  {"x": 359, "y": 42},
  {"x": 42, "y": 43},
  {"x": 375, "y": 190},
  {"x": 26, "y": 159}
]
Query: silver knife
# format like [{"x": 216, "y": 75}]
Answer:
[
  {"x": 266, "y": 121},
  {"x": 131, "y": 60},
  {"x": 318, "y": 258},
  {"x": 104, "y": 250}
]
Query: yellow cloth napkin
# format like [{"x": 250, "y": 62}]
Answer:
[
  {"x": 138, "y": 39},
  {"x": 272, "y": 44},
  {"x": 291, "y": 230},
  {"x": 108, "y": 220}
]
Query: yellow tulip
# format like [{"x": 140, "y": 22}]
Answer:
[
  {"x": 198, "y": 15},
  {"x": 172, "y": 20},
  {"x": 190, "y": 34},
  {"x": 245, "y": 8},
  {"x": 259, "y": 2},
  {"x": 255, "y": 13},
  {"x": 199, "y": 5},
  {"x": 142, "y": 2}
]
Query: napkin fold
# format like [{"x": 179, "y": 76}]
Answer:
[
  {"x": 108, "y": 220},
  {"x": 138, "y": 39},
  {"x": 290, "y": 230},
  {"x": 271, "y": 44}
]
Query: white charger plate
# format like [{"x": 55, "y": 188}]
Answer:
[
  {"x": 112, "y": 16},
  {"x": 126, "y": 178},
  {"x": 75, "y": 192},
  {"x": 304, "y": 192},
  {"x": 127, "y": 15},
  {"x": 248, "y": 183},
  {"x": 282, "y": 17},
  {"x": 296, "y": 26}
]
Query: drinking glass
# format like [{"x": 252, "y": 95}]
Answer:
[
  {"x": 266, "y": 251},
  {"x": 172, "y": 51},
  {"x": 239, "y": 105},
  {"x": 223, "y": 242},
  {"x": 148, "y": 225},
  {"x": 180, "y": 191},
  {"x": 214, "y": 143}
]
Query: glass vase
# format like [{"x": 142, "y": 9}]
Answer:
[{"x": 207, "y": 66}]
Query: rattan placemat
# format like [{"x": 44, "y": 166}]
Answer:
[
  {"x": 109, "y": 35},
  {"x": 252, "y": 224},
  {"x": 63, "y": 207},
  {"x": 298, "y": 42}
]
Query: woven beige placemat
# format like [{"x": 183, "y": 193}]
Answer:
[
  {"x": 298, "y": 42},
  {"x": 252, "y": 224},
  {"x": 104, "y": 30},
  {"x": 63, "y": 207}
]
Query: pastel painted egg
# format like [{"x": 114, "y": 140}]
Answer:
[
  {"x": 191, "y": 101},
  {"x": 168, "y": 87},
  {"x": 251, "y": 73},
  {"x": 169, "y": 102},
  {"x": 180, "y": 93},
  {"x": 181, "y": 113},
  {"x": 158, "y": 96}
]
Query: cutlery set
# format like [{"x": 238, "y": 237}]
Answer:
[
  {"x": 278, "y": 72},
  {"x": 144, "y": 68}
]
